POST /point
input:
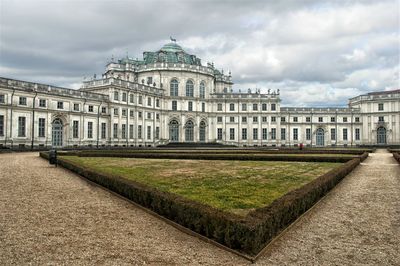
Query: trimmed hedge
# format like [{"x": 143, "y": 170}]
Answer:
[
  {"x": 209, "y": 156},
  {"x": 248, "y": 235},
  {"x": 396, "y": 156}
]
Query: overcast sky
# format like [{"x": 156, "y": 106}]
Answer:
[{"x": 318, "y": 53}]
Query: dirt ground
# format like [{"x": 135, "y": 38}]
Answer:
[{"x": 51, "y": 216}]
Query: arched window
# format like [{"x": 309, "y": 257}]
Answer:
[
  {"x": 202, "y": 90},
  {"x": 189, "y": 88},
  {"x": 174, "y": 87},
  {"x": 189, "y": 130},
  {"x": 202, "y": 131},
  {"x": 174, "y": 131}
]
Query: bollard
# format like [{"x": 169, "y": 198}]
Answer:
[{"x": 53, "y": 157}]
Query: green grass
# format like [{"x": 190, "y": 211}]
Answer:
[{"x": 233, "y": 186}]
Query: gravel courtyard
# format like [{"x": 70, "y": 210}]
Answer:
[{"x": 51, "y": 216}]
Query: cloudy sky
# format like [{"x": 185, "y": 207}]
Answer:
[{"x": 318, "y": 53}]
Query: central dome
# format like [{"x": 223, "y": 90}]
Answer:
[{"x": 171, "y": 47}]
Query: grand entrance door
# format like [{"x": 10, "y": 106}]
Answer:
[
  {"x": 320, "y": 140},
  {"x": 189, "y": 131},
  {"x": 381, "y": 135},
  {"x": 57, "y": 133},
  {"x": 202, "y": 131},
  {"x": 174, "y": 131}
]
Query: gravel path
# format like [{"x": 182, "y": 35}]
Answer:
[{"x": 50, "y": 216}]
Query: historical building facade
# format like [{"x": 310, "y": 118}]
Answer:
[{"x": 170, "y": 96}]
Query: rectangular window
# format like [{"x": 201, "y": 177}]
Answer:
[
  {"x": 90, "y": 130},
  {"x": 131, "y": 114},
  {"x": 42, "y": 103},
  {"x": 124, "y": 112},
  {"x": 357, "y": 134},
  {"x": 344, "y": 119},
  {"x": 103, "y": 110},
  {"x": 115, "y": 111},
  {"x": 273, "y": 107},
  {"x": 219, "y": 107},
  {"x": 1, "y": 125},
  {"x": 203, "y": 107},
  {"x": 244, "y": 107},
  {"x": 381, "y": 119},
  {"x": 157, "y": 102},
  {"x": 308, "y": 133},
  {"x": 295, "y": 134},
  {"x": 123, "y": 131},
  {"x": 139, "y": 133},
  {"x": 22, "y": 100},
  {"x": 333, "y": 119},
  {"x": 148, "y": 115},
  {"x": 139, "y": 114},
  {"x": 344, "y": 133},
  {"x": 320, "y": 119},
  {"x": 333, "y": 134},
  {"x": 140, "y": 99},
  {"x": 148, "y": 101},
  {"x": 76, "y": 106},
  {"x": 264, "y": 133},
  {"x": 264, "y": 107},
  {"x": 244, "y": 119},
  {"x": 219, "y": 133},
  {"x": 273, "y": 133},
  {"x": 380, "y": 106},
  {"x": 75, "y": 129},
  {"x": 232, "y": 107},
  {"x": 21, "y": 126},
  {"x": 42, "y": 127},
  {"x": 357, "y": 120},
  {"x": 255, "y": 107},
  {"x": 273, "y": 119},
  {"x": 295, "y": 119},
  {"x": 2, "y": 98},
  {"x": 158, "y": 116},
  {"x": 283, "y": 133},
  {"x": 124, "y": 97},
  {"x": 131, "y": 98},
  {"x": 244, "y": 133},
  {"x": 116, "y": 97},
  {"x": 90, "y": 108},
  {"x": 174, "y": 105},
  {"x": 103, "y": 130},
  {"x": 115, "y": 131},
  {"x": 255, "y": 133},
  {"x": 148, "y": 132},
  {"x": 255, "y": 119},
  {"x": 264, "y": 119},
  {"x": 60, "y": 105},
  {"x": 308, "y": 119},
  {"x": 283, "y": 119},
  {"x": 131, "y": 131},
  {"x": 157, "y": 132},
  {"x": 232, "y": 134},
  {"x": 232, "y": 119},
  {"x": 190, "y": 106},
  {"x": 219, "y": 119}
]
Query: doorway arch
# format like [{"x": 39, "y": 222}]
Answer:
[
  {"x": 202, "y": 131},
  {"x": 320, "y": 137},
  {"x": 189, "y": 128},
  {"x": 174, "y": 131},
  {"x": 381, "y": 136},
  {"x": 57, "y": 133}
]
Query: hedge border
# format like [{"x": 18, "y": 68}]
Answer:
[
  {"x": 247, "y": 235},
  {"x": 396, "y": 156}
]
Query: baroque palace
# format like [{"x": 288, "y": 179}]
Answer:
[{"x": 170, "y": 96}]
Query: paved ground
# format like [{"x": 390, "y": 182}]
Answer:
[{"x": 51, "y": 216}]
